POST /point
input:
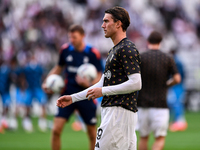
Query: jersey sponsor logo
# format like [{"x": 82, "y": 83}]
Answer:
[
  {"x": 85, "y": 59},
  {"x": 69, "y": 58},
  {"x": 72, "y": 69},
  {"x": 108, "y": 74}
]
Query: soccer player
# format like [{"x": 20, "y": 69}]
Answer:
[
  {"x": 175, "y": 99},
  {"x": 158, "y": 73},
  {"x": 33, "y": 73},
  {"x": 73, "y": 55},
  {"x": 118, "y": 86},
  {"x": 5, "y": 81}
]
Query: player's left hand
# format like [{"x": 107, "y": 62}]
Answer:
[
  {"x": 94, "y": 93},
  {"x": 64, "y": 101}
]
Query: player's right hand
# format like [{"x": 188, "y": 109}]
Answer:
[
  {"x": 64, "y": 101},
  {"x": 46, "y": 90}
]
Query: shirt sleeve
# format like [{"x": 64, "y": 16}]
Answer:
[
  {"x": 131, "y": 85},
  {"x": 130, "y": 59},
  {"x": 82, "y": 95}
]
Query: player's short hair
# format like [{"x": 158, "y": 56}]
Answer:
[
  {"x": 121, "y": 14},
  {"x": 76, "y": 28},
  {"x": 155, "y": 37}
]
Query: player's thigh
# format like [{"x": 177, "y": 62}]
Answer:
[
  {"x": 159, "y": 121},
  {"x": 143, "y": 122},
  {"x": 87, "y": 110}
]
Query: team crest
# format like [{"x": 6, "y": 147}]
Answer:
[
  {"x": 69, "y": 58},
  {"x": 108, "y": 74}
]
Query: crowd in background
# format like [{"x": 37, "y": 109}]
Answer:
[{"x": 39, "y": 28}]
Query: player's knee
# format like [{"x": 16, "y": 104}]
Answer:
[
  {"x": 145, "y": 138},
  {"x": 56, "y": 131},
  {"x": 160, "y": 138}
]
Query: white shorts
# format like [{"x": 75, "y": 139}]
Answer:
[
  {"x": 153, "y": 119},
  {"x": 117, "y": 129}
]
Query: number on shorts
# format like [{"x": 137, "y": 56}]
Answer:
[{"x": 99, "y": 133}]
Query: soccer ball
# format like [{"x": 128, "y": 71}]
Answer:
[
  {"x": 87, "y": 71},
  {"x": 55, "y": 83}
]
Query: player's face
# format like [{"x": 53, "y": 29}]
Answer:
[
  {"x": 76, "y": 38},
  {"x": 109, "y": 26}
]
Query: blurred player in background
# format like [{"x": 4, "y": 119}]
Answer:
[
  {"x": 33, "y": 73},
  {"x": 175, "y": 100},
  {"x": 5, "y": 81},
  {"x": 153, "y": 114},
  {"x": 118, "y": 86},
  {"x": 73, "y": 55}
]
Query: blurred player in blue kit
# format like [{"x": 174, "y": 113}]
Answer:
[
  {"x": 175, "y": 99},
  {"x": 5, "y": 81},
  {"x": 33, "y": 73},
  {"x": 73, "y": 55}
]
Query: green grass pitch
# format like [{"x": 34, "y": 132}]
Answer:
[{"x": 20, "y": 140}]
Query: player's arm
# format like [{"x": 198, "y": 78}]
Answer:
[
  {"x": 98, "y": 65},
  {"x": 131, "y": 85},
  {"x": 174, "y": 80},
  {"x": 176, "y": 77},
  {"x": 97, "y": 90},
  {"x": 68, "y": 99},
  {"x": 58, "y": 68}
]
